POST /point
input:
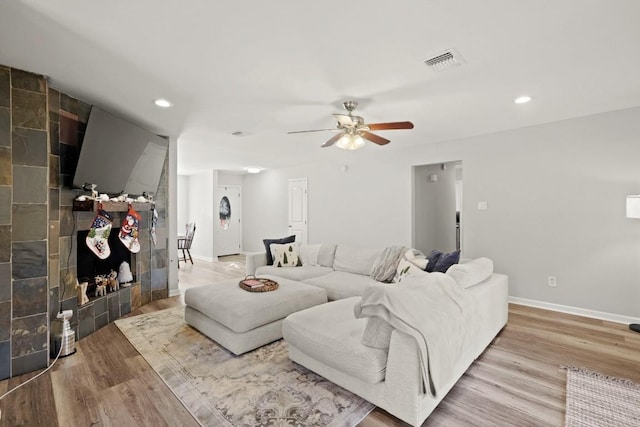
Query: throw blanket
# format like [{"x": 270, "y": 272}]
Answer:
[
  {"x": 384, "y": 269},
  {"x": 435, "y": 311}
]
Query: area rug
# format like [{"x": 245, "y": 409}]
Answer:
[
  {"x": 595, "y": 399},
  {"x": 259, "y": 388}
]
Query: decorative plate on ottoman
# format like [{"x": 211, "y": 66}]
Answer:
[{"x": 257, "y": 284}]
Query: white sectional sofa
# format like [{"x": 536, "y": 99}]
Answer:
[
  {"x": 342, "y": 271},
  {"x": 328, "y": 338}
]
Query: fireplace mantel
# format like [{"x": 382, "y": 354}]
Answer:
[{"x": 92, "y": 206}]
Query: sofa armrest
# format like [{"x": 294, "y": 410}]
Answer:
[{"x": 255, "y": 260}]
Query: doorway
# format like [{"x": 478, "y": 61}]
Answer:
[
  {"x": 227, "y": 235},
  {"x": 298, "y": 199},
  {"x": 437, "y": 207}
]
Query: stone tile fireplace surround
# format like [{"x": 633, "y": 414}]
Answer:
[{"x": 41, "y": 132}]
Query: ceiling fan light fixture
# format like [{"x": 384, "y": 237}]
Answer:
[{"x": 350, "y": 142}]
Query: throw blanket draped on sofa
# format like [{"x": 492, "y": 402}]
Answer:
[{"x": 436, "y": 312}]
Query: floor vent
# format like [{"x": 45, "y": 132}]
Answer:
[{"x": 444, "y": 60}]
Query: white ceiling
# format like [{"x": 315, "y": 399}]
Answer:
[{"x": 266, "y": 68}]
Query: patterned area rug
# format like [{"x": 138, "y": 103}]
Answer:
[
  {"x": 594, "y": 399},
  {"x": 259, "y": 388}
]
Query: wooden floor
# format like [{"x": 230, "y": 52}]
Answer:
[{"x": 517, "y": 380}]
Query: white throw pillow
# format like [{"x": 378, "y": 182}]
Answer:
[
  {"x": 309, "y": 254},
  {"x": 412, "y": 263},
  {"x": 472, "y": 272},
  {"x": 285, "y": 255}
]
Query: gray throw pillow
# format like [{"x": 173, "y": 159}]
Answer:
[
  {"x": 268, "y": 242},
  {"x": 445, "y": 261},
  {"x": 433, "y": 258}
]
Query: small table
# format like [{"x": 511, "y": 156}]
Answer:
[{"x": 242, "y": 321}]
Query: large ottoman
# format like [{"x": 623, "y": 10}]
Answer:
[{"x": 242, "y": 321}]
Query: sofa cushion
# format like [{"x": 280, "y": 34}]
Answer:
[
  {"x": 309, "y": 254},
  {"x": 355, "y": 260},
  {"x": 326, "y": 254},
  {"x": 339, "y": 284},
  {"x": 331, "y": 334},
  {"x": 472, "y": 272},
  {"x": 377, "y": 333},
  {"x": 297, "y": 273},
  {"x": 268, "y": 242}
]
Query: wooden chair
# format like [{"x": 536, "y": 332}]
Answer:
[{"x": 184, "y": 244}]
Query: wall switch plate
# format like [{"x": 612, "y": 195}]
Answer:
[
  {"x": 482, "y": 206},
  {"x": 552, "y": 281}
]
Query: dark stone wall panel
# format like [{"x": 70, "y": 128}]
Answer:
[
  {"x": 29, "y": 223},
  {"x": 5, "y": 127},
  {"x": 5, "y": 205},
  {"x": 54, "y": 304},
  {"x": 5, "y": 360},
  {"x": 5, "y": 87},
  {"x": 29, "y": 259},
  {"x": 28, "y": 109},
  {"x": 5, "y": 320},
  {"x": 54, "y": 204},
  {"x": 113, "y": 301},
  {"x": 29, "y": 335},
  {"x": 5, "y": 243},
  {"x": 5, "y": 282},
  {"x": 29, "y": 147},
  {"x": 5, "y": 166},
  {"x": 54, "y": 137},
  {"x": 86, "y": 319},
  {"x": 28, "y": 81},
  {"x": 54, "y": 171},
  {"x": 32, "y": 362},
  {"x": 54, "y": 240},
  {"x": 29, "y": 297},
  {"x": 29, "y": 184},
  {"x": 54, "y": 271}
]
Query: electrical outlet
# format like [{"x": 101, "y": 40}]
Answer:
[
  {"x": 552, "y": 281},
  {"x": 482, "y": 206}
]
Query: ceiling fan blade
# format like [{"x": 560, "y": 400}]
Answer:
[
  {"x": 345, "y": 120},
  {"x": 374, "y": 138},
  {"x": 333, "y": 140},
  {"x": 391, "y": 125},
  {"x": 314, "y": 130}
]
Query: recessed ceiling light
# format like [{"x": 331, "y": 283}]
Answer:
[
  {"x": 522, "y": 99},
  {"x": 163, "y": 103},
  {"x": 253, "y": 170}
]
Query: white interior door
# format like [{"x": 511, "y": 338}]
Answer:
[
  {"x": 298, "y": 209},
  {"x": 228, "y": 227}
]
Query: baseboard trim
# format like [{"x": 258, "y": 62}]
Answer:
[
  {"x": 616, "y": 318},
  {"x": 174, "y": 292}
]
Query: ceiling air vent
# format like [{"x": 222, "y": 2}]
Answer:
[{"x": 443, "y": 60}]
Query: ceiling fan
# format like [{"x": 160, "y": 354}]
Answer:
[{"x": 354, "y": 130}]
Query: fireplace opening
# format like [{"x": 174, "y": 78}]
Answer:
[{"x": 89, "y": 265}]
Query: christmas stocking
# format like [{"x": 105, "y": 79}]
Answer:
[
  {"x": 98, "y": 235},
  {"x": 129, "y": 230}
]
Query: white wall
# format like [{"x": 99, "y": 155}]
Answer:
[
  {"x": 201, "y": 211},
  {"x": 556, "y": 206},
  {"x": 182, "y": 197}
]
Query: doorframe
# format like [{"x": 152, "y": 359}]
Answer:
[
  {"x": 217, "y": 217},
  {"x": 306, "y": 205}
]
